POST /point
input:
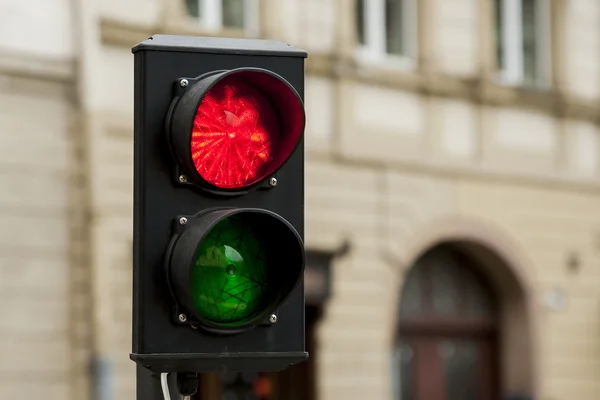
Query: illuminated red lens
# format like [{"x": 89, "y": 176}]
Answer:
[{"x": 236, "y": 135}]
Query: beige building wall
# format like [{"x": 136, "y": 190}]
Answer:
[
  {"x": 397, "y": 165},
  {"x": 34, "y": 237},
  {"x": 41, "y": 234}
]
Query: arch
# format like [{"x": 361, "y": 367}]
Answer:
[{"x": 507, "y": 268}]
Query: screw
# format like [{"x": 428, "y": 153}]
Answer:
[
  {"x": 182, "y": 178},
  {"x": 273, "y": 182},
  {"x": 182, "y": 317},
  {"x": 182, "y": 221},
  {"x": 183, "y": 83},
  {"x": 273, "y": 318}
]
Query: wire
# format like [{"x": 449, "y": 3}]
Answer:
[{"x": 164, "y": 383}]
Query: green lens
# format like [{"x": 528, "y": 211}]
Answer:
[{"x": 229, "y": 282}]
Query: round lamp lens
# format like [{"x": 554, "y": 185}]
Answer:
[
  {"x": 230, "y": 276},
  {"x": 232, "y": 268},
  {"x": 235, "y": 136}
]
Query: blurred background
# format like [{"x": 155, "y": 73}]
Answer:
[{"x": 452, "y": 196}]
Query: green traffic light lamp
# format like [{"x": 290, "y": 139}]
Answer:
[{"x": 230, "y": 269}]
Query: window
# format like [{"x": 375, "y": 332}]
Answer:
[
  {"x": 523, "y": 45},
  {"x": 218, "y": 14},
  {"x": 386, "y": 29}
]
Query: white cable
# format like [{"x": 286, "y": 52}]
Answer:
[{"x": 164, "y": 383}]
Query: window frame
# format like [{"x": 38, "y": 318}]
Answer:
[
  {"x": 374, "y": 27},
  {"x": 212, "y": 20},
  {"x": 512, "y": 72}
]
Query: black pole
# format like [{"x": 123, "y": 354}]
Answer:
[{"x": 148, "y": 385}]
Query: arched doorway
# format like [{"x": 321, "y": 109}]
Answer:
[{"x": 447, "y": 343}]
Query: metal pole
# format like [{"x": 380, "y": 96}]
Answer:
[{"x": 148, "y": 385}]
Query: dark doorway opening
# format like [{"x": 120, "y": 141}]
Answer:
[{"x": 447, "y": 346}]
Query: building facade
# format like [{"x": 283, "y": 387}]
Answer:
[{"x": 453, "y": 151}]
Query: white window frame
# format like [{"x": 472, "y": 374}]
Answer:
[
  {"x": 211, "y": 19},
  {"x": 374, "y": 48},
  {"x": 512, "y": 71}
]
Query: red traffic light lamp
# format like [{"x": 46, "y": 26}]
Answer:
[{"x": 230, "y": 130}]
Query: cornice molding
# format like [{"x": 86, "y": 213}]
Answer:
[
  {"x": 24, "y": 65},
  {"x": 125, "y": 34},
  {"x": 480, "y": 90},
  {"x": 447, "y": 169}
]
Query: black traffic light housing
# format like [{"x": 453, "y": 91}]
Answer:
[{"x": 181, "y": 206}]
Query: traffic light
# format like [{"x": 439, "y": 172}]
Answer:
[{"x": 218, "y": 205}]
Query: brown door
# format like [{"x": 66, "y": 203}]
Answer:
[
  {"x": 446, "y": 368},
  {"x": 447, "y": 339}
]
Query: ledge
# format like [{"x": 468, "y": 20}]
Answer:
[
  {"x": 24, "y": 65},
  {"x": 477, "y": 90},
  {"x": 126, "y": 35},
  {"x": 549, "y": 179}
]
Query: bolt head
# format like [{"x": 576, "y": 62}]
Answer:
[
  {"x": 182, "y": 317},
  {"x": 273, "y": 318},
  {"x": 183, "y": 83},
  {"x": 183, "y": 221},
  {"x": 273, "y": 182},
  {"x": 182, "y": 178}
]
